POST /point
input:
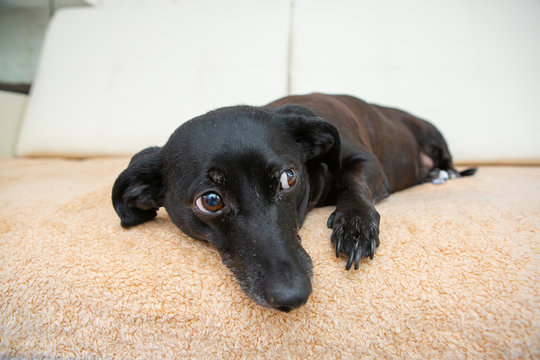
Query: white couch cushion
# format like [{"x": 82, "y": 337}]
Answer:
[
  {"x": 114, "y": 80},
  {"x": 471, "y": 67}
]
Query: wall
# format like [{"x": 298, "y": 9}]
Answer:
[{"x": 22, "y": 26}]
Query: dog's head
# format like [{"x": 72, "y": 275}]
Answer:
[{"x": 239, "y": 178}]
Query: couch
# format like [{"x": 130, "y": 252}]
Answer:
[{"x": 456, "y": 275}]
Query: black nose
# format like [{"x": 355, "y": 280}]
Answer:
[{"x": 287, "y": 295}]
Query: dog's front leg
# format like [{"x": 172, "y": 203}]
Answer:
[{"x": 355, "y": 222}]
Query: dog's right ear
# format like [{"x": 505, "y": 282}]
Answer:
[{"x": 138, "y": 191}]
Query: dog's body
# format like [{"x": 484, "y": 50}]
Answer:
[{"x": 243, "y": 178}]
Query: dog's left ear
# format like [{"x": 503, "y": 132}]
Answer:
[
  {"x": 138, "y": 191},
  {"x": 318, "y": 139}
]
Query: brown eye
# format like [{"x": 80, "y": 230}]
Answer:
[
  {"x": 209, "y": 203},
  {"x": 287, "y": 179}
]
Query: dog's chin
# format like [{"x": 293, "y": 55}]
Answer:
[{"x": 251, "y": 280}]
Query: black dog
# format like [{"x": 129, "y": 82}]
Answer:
[{"x": 243, "y": 178}]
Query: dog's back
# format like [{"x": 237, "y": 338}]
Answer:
[{"x": 407, "y": 147}]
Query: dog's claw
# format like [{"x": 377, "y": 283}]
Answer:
[
  {"x": 357, "y": 256},
  {"x": 350, "y": 261},
  {"x": 372, "y": 250},
  {"x": 330, "y": 222},
  {"x": 336, "y": 240}
]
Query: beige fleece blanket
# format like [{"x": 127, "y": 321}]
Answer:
[{"x": 457, "y": 275}]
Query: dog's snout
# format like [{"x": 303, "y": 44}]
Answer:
[{"x": 287, "y": 295}]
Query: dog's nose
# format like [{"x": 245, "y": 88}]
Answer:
[{"x": 289, "y": 295}]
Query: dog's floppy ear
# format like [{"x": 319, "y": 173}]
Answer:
[
  {"x": 138, "y": 191},
  {"x": 318, "y": 138}
]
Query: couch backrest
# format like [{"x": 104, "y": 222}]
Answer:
[
  {"x": 113, "y": 80},
  {"x": 471, "y": 67}
]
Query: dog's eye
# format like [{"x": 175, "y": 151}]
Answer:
[
  {"x": 287, "y": 179},
  {"x": 209, "y": 203}
]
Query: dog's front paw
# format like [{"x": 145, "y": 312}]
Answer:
[{"x": 355, "y": 234}]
